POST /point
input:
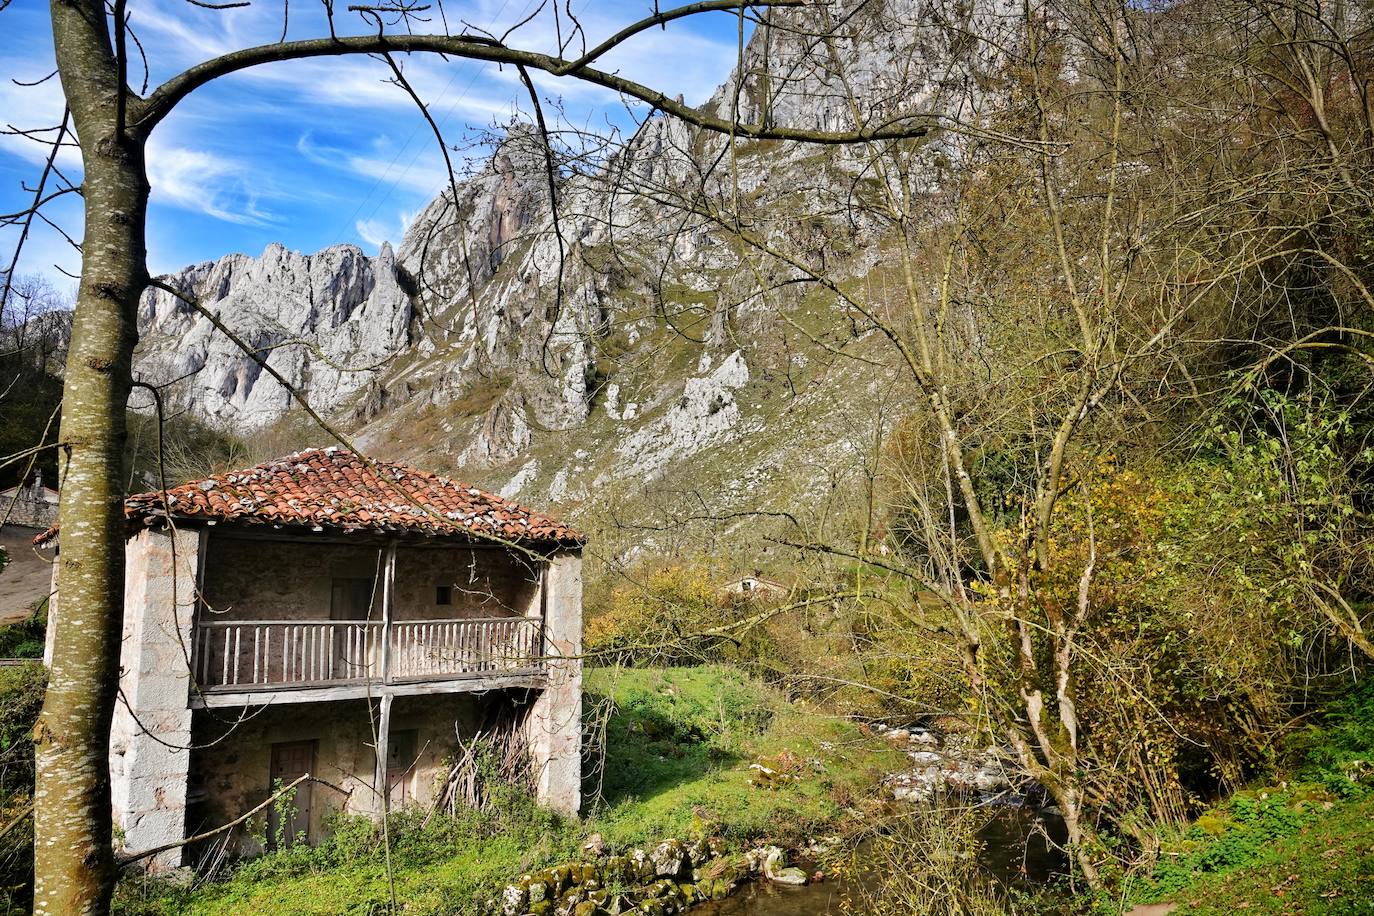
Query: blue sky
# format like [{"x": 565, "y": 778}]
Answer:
[{"x": 313, "y": 153}]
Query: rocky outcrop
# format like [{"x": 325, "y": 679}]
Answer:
[{"x": 318, "y": 320}]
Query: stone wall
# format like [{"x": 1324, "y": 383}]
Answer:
[
  {"x": 150, "y": 735},
  {"x": 485, "y": 583},
  {"x": 554, "y": 722},
  {"x": 32, "y": 505},
  {"x": 255, "y": 579}
]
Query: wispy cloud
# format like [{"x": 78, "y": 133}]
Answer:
[
  {"x": 377, "y": 231},
  {"x": 206, "y": 182},
  {"x": 415, "y": 167}
]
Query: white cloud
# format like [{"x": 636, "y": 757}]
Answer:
[
  {"x": 417, "y": 166},
  {"x": 205, "y": 182},
  {"x": 32, "y": 108},
  {"x": 377, "y": 231}
]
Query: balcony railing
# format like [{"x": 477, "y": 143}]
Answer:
[{"x": 257, "y": 654}]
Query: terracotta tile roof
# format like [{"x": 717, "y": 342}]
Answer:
[{"x": 335, "y": 489}]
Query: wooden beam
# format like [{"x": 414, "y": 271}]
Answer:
[
  {"x": 388, "y": 599},
  {"x": 231, "y": 699}
]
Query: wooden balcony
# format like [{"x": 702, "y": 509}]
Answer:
[{"x": 274, "y": 656}]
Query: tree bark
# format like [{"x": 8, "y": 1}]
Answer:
[{"x": 73, "y": 857}]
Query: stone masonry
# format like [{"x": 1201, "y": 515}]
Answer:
[
  {"x": 150, "y": 737},
  {"x": 554, "y": 722}
]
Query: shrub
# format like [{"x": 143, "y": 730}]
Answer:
[
  {"x": 661, "y": 620},
  {"x": 21, "y": 698}
]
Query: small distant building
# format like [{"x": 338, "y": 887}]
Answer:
[
  {"x": 31, "y": 504},
  {"x": 754, "y": 587},
  {"x": 328, "y": 615}
]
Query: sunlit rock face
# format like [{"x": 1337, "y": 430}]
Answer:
[{"x": 310, "y": 318}]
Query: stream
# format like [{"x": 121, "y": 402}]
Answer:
[{"x": 1012, "y": 852}]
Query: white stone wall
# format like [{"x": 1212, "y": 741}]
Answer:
[
  {"x": 554, "y": 722},
  {"x": 150, "y": 736}
]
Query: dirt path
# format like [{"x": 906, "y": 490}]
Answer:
[{"x": 26, "y": 580}]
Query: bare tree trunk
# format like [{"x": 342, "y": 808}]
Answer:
[{"x": 73, "y": 860}]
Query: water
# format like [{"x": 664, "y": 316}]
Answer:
[
  {"x": 764, "y": 898},
  {"x": 1014, "y": 852}
]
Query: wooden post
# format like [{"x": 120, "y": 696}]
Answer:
[
  {"x": 383, "y": 734},
  {"x": 388, "y": 593}
]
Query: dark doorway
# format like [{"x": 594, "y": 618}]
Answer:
[
  {"x": 354, "y": 647},
  {"x": 350, "y": 599},
  {"x": 400, "y": 767},
  {"x": 288, "y": 820}
]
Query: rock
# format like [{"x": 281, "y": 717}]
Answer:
[
  {"x": 775, "y": 868},
  {"x": 643, "y": 867},
  {"x": 514, "y": 900},
  {"x": 988, "y": 779},
  {"x": 595, "y": 845},
  {"x": 669, "y": 859},
  {"x": 698, "y": 852}
]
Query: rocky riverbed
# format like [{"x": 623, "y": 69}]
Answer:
[
  {"x": 675, "y": 875},
  {"x": 949, "y": 763}
]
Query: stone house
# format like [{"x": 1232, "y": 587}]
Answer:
[
  {"x": 754, "y": 586},
  {"x": 31, "y": 505},
  {"x": 278, "y": 618}
]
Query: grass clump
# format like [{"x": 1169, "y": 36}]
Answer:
[
  {"x": 21, "y": 698},
  {"x": 25, "y": 639},
  {"x": 1324, "y": 867}
]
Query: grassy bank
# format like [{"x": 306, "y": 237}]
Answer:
[
  {"x": 1301, "y": 843},
  {"x": 1325, "y": 867},
  {"x": 678, "y": 749}
]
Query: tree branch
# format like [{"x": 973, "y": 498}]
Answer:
[{"x": 473, "y": 47}]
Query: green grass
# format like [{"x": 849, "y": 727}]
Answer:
[
  {"x": 1303, "y": 845},
  {"x": 682, "y": 743},
  {"x": 1326, "y": 867},
  {"x": 25, "y": 638},
  {"x": 679, "y": 748}
]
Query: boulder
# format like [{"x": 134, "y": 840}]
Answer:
[
  {"x": 515, "y": 900},
  {"x": 669, "y": 859},
  {"x": 775, "y": 868}
]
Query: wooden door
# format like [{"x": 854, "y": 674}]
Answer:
[
  {"x": 400, "y": 766},
  {"x": 288, "y": 820},
  {"x": 351, "y": 599}
]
